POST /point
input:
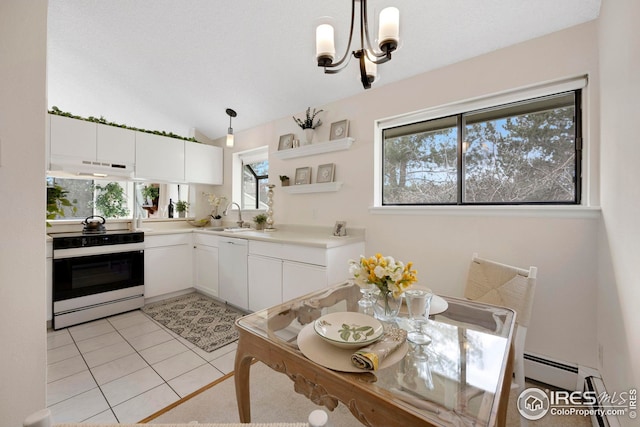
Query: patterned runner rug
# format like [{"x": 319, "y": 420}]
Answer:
[{"x": 201, "y": 320}]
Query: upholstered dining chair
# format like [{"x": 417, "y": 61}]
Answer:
[
  {"x": 42, "y": 418},
  {"x": 512, "y": 287}
]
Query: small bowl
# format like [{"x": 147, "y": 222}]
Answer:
[{"x": 348, "y": 329}]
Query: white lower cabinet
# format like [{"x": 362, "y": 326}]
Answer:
[
  {"x": 265, "y": 282},
  {"x": 299, "y": 279},
  {"x": 279, "y": 272},
  {"x": 206, "y": 264},
  {"x": 168, "y": 264}
]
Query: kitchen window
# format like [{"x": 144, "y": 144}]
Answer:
[
  {"x": 250, "y": 171},
  {"x": 110, "y": 199},
  {"x": 517, "y": 153}
]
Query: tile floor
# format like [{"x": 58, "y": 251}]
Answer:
[{"x": 124, "y": 368}]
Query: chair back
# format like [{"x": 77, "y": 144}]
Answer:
[{"x": 500, "y": 284}]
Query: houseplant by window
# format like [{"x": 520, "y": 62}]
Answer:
[
  {"x": 57, "y": 201},
  {"x": 181, "y": 208},
  {"x": 260, "y": 221}
]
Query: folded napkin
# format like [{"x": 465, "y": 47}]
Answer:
[{"x": 371, "y": 357}]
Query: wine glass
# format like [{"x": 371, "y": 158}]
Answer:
[{"x": 418, "y": 306}]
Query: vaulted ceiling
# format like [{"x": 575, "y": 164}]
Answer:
[{"x": 174, "y": 65}]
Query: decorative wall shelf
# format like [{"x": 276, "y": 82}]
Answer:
[
  {"x": 312, "y": 149},
  {"x": 323, "y": 187}
]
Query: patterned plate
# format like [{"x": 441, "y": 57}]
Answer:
[{"x": 348, "y": 329}]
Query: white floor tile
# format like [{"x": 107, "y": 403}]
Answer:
[
  {"x": 79, "y": 408},
  {"x": 142, "y": 406},
  {"x": 209, "y": 356},
  {"x": 128, "y": 319},
  {"x": 149, "y": 340},
  {"x": 118, "y": 368},
  {"x": 98, "y": 342},
  {"x": 91, "y": 330},
  {"x": 65, "y": 368},
  {"x": 106, "y": 417},
  {"x": 138, "y": 329},
  {"x": 58, "y": 338},
  {"x": 162, "y": 351},
  {"x": 131, "y": 385},
  {"x": 178, "y": 365},
  {"x": 226, "y": 362},
  {"x": 58, "y": 354},
  {"x": 70, "y": 386},
  {"x": 191, "y": 381},
  {"x": 108, "y": 353}
]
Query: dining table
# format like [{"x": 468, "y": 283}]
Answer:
[{"x": 462, "y": 377}]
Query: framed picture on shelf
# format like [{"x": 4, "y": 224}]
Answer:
[
  {"x": 339, "y": 130},
  {"x": 326, "y": 173},
  {"x": 286, "y": 142},
  {"x": 303, "y": 176}
]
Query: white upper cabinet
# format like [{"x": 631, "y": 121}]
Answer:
[
  {"x": 203, "y": 163},
  {"x": 72, "y": 138},
  {"x": 116, "y": 145},
  {"x": 159, "y": 158}
]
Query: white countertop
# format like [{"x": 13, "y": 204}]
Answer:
[{"x": 291, "y": 234}]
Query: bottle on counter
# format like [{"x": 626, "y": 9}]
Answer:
[{"x": 170, "y": 209}]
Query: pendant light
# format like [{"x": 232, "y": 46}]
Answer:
[{"x": 231, "y": 114}]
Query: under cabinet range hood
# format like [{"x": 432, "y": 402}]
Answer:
[{"x": 71, "y": 167}]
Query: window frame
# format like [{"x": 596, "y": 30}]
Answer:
[
  {"x": 581, "y": 209},
  {"x": 239, "y": 159}
]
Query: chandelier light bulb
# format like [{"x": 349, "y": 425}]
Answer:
[{"x": 325, "y": 44}]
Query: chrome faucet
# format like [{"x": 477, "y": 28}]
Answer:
[{"x": 239, "y": 221}]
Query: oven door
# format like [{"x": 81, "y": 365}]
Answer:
[{"x": 80, "y": 276}]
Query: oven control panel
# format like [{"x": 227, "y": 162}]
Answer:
[{"x": 80, "y": 240}]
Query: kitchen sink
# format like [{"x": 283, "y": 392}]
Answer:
[{"x": 230, "y": 229}]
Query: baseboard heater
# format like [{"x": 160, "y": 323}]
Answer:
[
  {"x": 553, "y": 372},
  {"x": 595, "y": 384}
]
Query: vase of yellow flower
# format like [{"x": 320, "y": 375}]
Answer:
[{"x": 390, "y": 278}]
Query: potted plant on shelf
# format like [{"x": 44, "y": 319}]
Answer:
[
  {"x": 284, "y": 180},
  {"x": 260, "y": 221},
  {"x": 307, "y": 124},
  {"x": 181, "y": 208}
]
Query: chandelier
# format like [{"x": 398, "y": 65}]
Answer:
[{"x": 368, "y": 57}]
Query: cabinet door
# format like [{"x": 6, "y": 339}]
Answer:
[
  {"x": 159, "y": 158},
  {"x": 299, "y": 279},
  {"x": 116, "y": 145},
  {"x": 73, "y": 138},
  {"x": 167, "y": 269},
  {"x": 203, "y": 163},
  {"x": 206, "y": 269},
  {"x": 265, "y": 282},
  {"x": 232, "y": 272}
]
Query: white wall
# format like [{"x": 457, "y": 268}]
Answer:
[
  {"x": 619, "y": 240},
  {"x": 563, "y": 248},
  {"x": 23, "y": 106}
]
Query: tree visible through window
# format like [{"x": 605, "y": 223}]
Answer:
[{"x": 521, "y": 153}]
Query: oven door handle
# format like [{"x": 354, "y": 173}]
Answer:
[{"x": 97, "y": 250}]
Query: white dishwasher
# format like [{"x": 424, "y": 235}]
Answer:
[{"x": 232, "y": 271}]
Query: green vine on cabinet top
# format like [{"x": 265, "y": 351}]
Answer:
[{"x": 55, "y": 110}]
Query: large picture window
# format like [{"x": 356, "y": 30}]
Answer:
[{"x": 526, "y": 152}]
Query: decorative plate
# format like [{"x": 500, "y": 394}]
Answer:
[
  {"x": 348, "y": 329},
  {"x": 321, "y": 352}
]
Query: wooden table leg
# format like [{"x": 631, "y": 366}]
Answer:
[{"x": 241, "y": 376}]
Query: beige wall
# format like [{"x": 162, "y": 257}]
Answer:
[
  {"x": 22, "y": 248},
  {"x": 563, "y": 248},
  {"x": 619, "y": 240}
]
